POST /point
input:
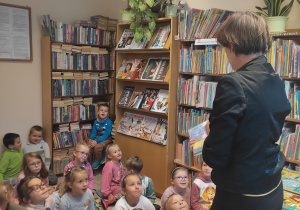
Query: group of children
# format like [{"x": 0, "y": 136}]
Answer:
[{"x": 122, "y": 185}]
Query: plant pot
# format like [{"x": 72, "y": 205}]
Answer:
[
  {"x": 126, "y": 17},
  {"x": 276, "y": 24},
  {"x": 171, "y": 10}
]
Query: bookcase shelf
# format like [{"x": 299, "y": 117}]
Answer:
[
  {"x": 194, "y": 107},
  {"x": 49, "y": 124},
  {"x": 292, "y": 120},
  {"x": 192, "y": 168},
  {"x": 200, "y": 74},
  {"x": 293, "y": 161},
  {"x": 143, "y": 111},
  {"x": 158, "y": 159},
  {"x": 183, "y": 135}
]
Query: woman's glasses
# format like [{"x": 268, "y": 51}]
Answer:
[
  {"x": 35, "y": 164},
  {"x": 83, "y": 153},
  {"x": 181, "y": 178},
  {"x": 37, "y": 187}
]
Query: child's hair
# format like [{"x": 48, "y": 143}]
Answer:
[
  {"x": 9, "y": 139},
  {"x": 125, "y": 178},
  {"x": 23, "y": 188},
  {"x": 167, "y": 202},
  {"x": 105, "y": 105},
  {"x": 78, "y": 145},
  {"x": 173, "y": 172},
  {"x": 43, "y": 172},
  {"x": 5, "y": 189},
  {"x": 107, "y": 149},
  {"x": 134, "y": 163},
  {"x": 70, "y": 178},
  {"x": 36, "y": 128}
]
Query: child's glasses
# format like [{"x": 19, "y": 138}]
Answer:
[
  {"x": 35, "y": 164},
  {"x": 181, "y": 178},
  {"x": 83, "y": 153},
  {"x": 37, "y": 187}
]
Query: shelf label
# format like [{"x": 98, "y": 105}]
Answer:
[{"x": 212, "y": 41}]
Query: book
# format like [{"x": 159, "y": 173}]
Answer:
[
  {"x": 290, "y": 201},
  {"x": 150, "y": 69},
  {"x": 136, "y": 99},
  {"x": 291, "y": 181},
  {"x": 199, "y": 134},
  {"x": 161, "y": 37},
  {"x": 149, "y": 96},
  {"x": 162, "y": 69},
  {"x": 135, "y": 127},
  {"x": 159, "y": 134},
  {"x": 161, "y": 102},
  {"x": 46, "y": 25},
  {"x": 125, "y": 68},
  {"x": 147, "y": 127},
  {"x": 126, "y": 96},
  {"x": 125, "y": 123}
]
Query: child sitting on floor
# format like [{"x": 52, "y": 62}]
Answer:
[
  {"x": 7, "y": 201},
  {"x": 176, "y": 202}
]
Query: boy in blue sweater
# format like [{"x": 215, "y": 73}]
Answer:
[{"x": 100, "y": 136}]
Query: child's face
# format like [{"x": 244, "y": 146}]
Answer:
[
  {"x": 180, "y": 179},
  {"x": 103, "y": 112},
  {"x": 17, "y": 144},
  {"x": 115, "y": 153},
  {"x": 81, "y": 153},
  {"x": 80, "y": 184},
  {"x": 206, "y": 170},
  {"x": 133, "y": 188},
  {"x": 36, "y": 137},
  {"x": 34, "y": 165},
  {"x": 38, "y": 191},
  {"x": 177, "y": 203}
]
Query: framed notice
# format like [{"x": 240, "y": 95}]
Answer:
[{"x": 15, "y": 33}]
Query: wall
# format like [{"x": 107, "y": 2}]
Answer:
[{"x": 20, "y": 82}]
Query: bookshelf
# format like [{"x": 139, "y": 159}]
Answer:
[
  {"x": 158, "y": 159},
  {"x": 97, "y": 88}
]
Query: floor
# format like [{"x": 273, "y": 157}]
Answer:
[{"x": 97, "y": 178}]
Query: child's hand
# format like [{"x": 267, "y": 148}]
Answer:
[
  {"x": 51, "y": 190},
  {"x": 192, "y": 142},
  {"x": 93, "y": 143},
  {"x": 207, "y": 130},
  {"x": 111, "y": 199},
  {"x": 16, "y": 201}
]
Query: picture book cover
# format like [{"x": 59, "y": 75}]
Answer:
[
  {"x": 135, "y": 127},
  {"x": 147, "y": 127},
  {"x": 161, "y": 102},
  {"x": 125, "y": 68},
  {"x": 199, "y": 134},
  {"x": 289, "y": 174},
  {"x": 160, "y": 132},
  {"x": 136, "y": 99},
  {"x": 162, "y": 69},
  {"x": 161, "y": 37},
  {"x": 150, "y": 69},
  {"x": 291, "y": 181},
  {"x": 126, "y": 96},
  {"x": 137, "y": 70},
  {"x": 291, "y": 201},
  {"x": 125, "y": 123},
  {"x": 149, "y": 96}
]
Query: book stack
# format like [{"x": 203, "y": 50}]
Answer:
[
  {"x": 144, "y": 127},
  {"x": 100, "y": 21},
  {"x": 61, "y": 158},
  {"x": 112, "y": 24}
]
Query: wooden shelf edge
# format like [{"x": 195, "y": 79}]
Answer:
[
  {"x": 193, "y": 168},
  {"x": 79, "y": 44},
  {"x": 80, "y": 121},
  {"x": 143, "y": 139},
  {"x": 143, "y": 111},
  {"x": 82, "y": 95},
  {"x": 183, "y": 135},
  {"x": 159, "y": 20},
  {"x": 292, "y": 120},
  {"x": 143, "y": 81},
  {"x": 145, "y": 50},
  {"x": 201, "y": 74},
  {"x": 293, "y": 161},
  {"x": 74, "y": 70},
  {"x": 194, "y": 107}
]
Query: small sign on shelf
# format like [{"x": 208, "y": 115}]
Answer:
[{"x": 212, "y": 41}]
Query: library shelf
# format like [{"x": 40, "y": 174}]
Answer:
[
  {"x": 194, "y": 107},
  {"x": 78, "y": 44},
  {"x": 293, "y": 161},
  {"x": 201, "y": 74},
  {"x": 80, "y": 71},
  {"x": 143, "y": 81},
  {"x": 72, "y": 96},
  {"x": 183, "y": 135},
  {"x": 81, "y": 121},
  {"x": 143, "y": 111},
  {"x": 144, "y": 51},
  {"x": 140, "y": 139},
  {"x": 192, "y": 168},
  {"x": 292, "y": 120}
]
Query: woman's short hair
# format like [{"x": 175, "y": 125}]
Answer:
[{"x": 247, "y": 32}]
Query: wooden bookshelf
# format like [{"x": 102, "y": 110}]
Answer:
[{"x": 158, "y": 159}]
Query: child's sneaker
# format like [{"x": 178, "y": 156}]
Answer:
[
  {"x": 102, "y": 161},
  {"x": 104, "y": 203},
  {"x": 96, "y": 164}
]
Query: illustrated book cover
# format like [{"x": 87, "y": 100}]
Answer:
[
  {"x": 161, "y": 102},
  {"x": 148, "y": 98},
  {"x": 147, "y": 127},
  {"x": 125, "y": 123},
  {"x": 150, "y": 69},
  {"x": 199, "y": 134},
  {"x": 160, "y": 132},
  {"x": 126, "y": 96}
]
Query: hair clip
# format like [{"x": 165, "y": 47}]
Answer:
[
  {"x": 174, "y": 171},
  {"x": 69, "y": 170}
]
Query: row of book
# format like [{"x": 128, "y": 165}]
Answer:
[
  {"x": 197, "y": 23},
  {"x": 155, "y": 69},
  {"x": 188, "y": 118},
  {"x": 81, "y": 58},
  {"x": 144, "y": 127},
  {"x": 75, "y": 87},
  {"x": 155, "y": 100},
  {"x": 127, "y": 39},
  {"x": 211, "y": 60},
  {"x": 185, "y": 155},
  {"x": 104, "y": 23},
  {"x": 290, "y": 142},
  {"x": 78, "y": 33},
  {"x": 284, "y": 56},
  {"x": 196, "y": 91},
  {"x": 61, "y": 158},
  {"x": 292, "y": 90},
  {"x": 74, "y": 113}
]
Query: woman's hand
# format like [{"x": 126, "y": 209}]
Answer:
[
  {"x": 192, "y": 142},
  {"x": 207, "y": 130}
]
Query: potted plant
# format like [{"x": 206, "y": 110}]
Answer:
[
  {"x": 275, "y": 14},
  {"x": 168, "y": 7},
  {"x": 143, "y": 18},
  {"x": 126, "y": 16}
]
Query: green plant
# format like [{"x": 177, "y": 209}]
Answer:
[
  {"x": 275, "y": 8},
  {"x": 140, "y": 10},
  {"x": 163, "y": 4}
]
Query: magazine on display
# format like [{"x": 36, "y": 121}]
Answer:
[
  {"x": 160, "y": 132},
  {"x": 126, "y": 96},
  {"x": 150, "y": 69},
  {"x": 161, "y": 102},
  {"x": 149, "y": 96}
]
